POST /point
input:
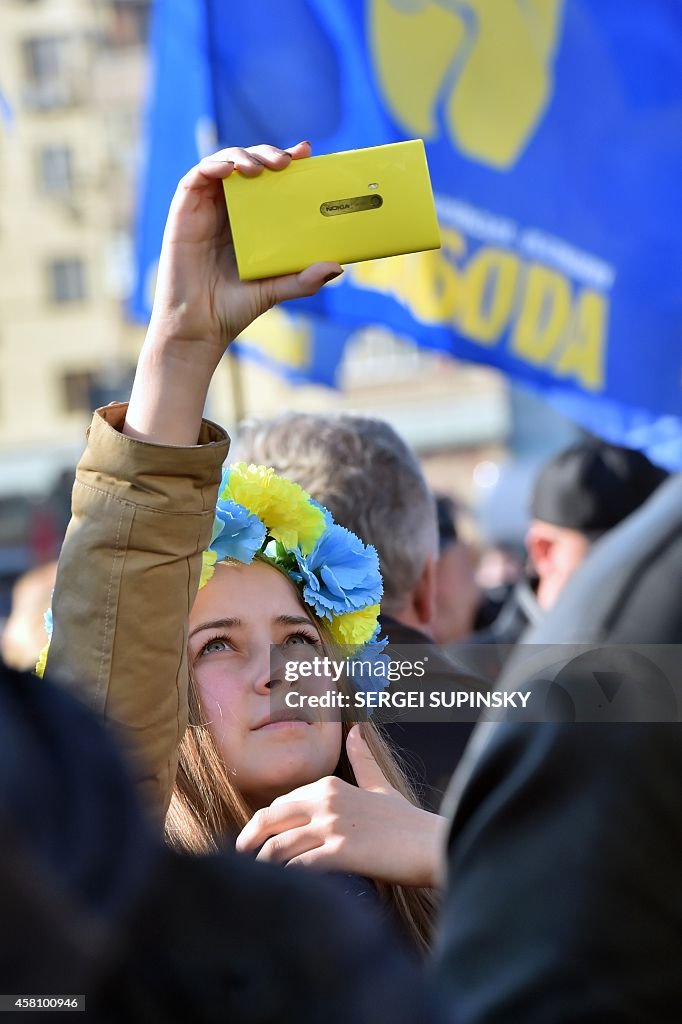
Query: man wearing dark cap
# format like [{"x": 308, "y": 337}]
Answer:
[{"x": 579, "y": 495}]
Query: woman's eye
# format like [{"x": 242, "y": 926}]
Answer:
[
  {"x": 216, "y": 645},
  {"x": 300, "y": 638}
]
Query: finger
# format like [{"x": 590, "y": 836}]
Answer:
[
  {"x": 272, "y": 156},
  {"x": 320, "y": 857},
  {"x": 246, "y": 162},
  {"x": 282, "y": 848},
  {"x": 270, "y": 821},
  {"x": 368, "y": 774},
  {"x": 300, "y": 151},
  {"x": 249, "y": 161},
  {"x": 308, "y": 282},
  {"x": 302, "y": 795},
  {"x": 204, "y": 176},
  {"x": 230, "y": 154},
  {"x": 199, "y": 194}
]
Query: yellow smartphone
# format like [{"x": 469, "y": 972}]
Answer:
[{"x": 359, "y": 205}]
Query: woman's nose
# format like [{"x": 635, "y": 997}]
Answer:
[{"x": 270, "y": 673}]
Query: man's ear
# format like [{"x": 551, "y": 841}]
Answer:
[
  {"x": 424, "y": 595},
  {"x": 540, "y": 544}
]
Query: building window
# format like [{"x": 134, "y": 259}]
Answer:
[
  {"x": 43, "y": 57},
  {"x": 56, "y": 72},
  {"x": 130, "y": 22},
  {"x": 77, "y": 390},
  {"x": 67, "y": 280},
  {"x": 56, "y": 173}
]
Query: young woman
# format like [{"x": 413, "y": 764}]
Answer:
[{"x": 157, "y": 654}]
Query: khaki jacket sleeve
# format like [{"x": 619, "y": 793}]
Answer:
[{"x": 128, "y": 574}]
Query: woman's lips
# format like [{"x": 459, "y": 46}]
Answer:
[
  {"x": 287, "y": 724},
  {"x": 285, "y": 717}
]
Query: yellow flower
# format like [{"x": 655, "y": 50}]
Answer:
[
  {"x": 41, "y": 664},
  {"x": 208, "y": 561},
  {"x": 284, "y": 507},
  {"x": 355, "y": 628}
]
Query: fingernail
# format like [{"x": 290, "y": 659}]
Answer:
[
  {"x": 212, "y": 160},
  {"x": 330, "y": 277},
  {"x": 256, "y": 160},
  {"x": 304, "y": 143}
]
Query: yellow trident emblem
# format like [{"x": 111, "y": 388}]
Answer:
[{"x": 479, "y": 69}]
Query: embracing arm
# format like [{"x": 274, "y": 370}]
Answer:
[{"x": 369, "y": 829}]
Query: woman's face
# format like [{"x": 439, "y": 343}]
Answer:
[{"x": 240, "y": 613}]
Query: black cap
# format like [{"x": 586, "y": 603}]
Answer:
[{"x": 592, "y": 486}]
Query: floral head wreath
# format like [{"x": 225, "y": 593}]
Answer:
[{"x": 262, "y": 514}]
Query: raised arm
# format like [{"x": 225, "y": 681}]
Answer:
[
  {"x": 200, "y": 304},
  {"x": 147, "y": 484}
]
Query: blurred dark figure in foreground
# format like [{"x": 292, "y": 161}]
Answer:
[
  {"x": 457, "y": 594},
  {"x": 91, "y": 903},
  {"x": 564, "y": 902},
  {"x": 371, "y": 481},
  {"x": 579, "y": 495}
]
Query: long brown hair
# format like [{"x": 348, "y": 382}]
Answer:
[{"x": 207, "y": 810}]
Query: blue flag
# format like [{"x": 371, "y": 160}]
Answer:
[{"x": 552, "y": 133}]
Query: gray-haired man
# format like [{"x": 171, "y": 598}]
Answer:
[{"x": 371, "y": 481}]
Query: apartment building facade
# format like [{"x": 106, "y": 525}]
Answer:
[{"x": 71, "y": 76}]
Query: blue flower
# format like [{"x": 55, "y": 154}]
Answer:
[
  {"x": 374, "y": 643},
  {"x": 341, "y": 574},
  {"x": 224, "y": 481},
  {"x": 328, "y": 520},
  {"x": 372, "y": 675},
  {"x": 237, "y": 533}
]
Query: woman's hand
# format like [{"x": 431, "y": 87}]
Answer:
[
  {"x": 368, "y": 829},
  {"x": 200, "y": 305},
  {"x": 199, "y": 297}
]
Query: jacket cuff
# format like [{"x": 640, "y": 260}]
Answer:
[{"x": 149, "y": 474}]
